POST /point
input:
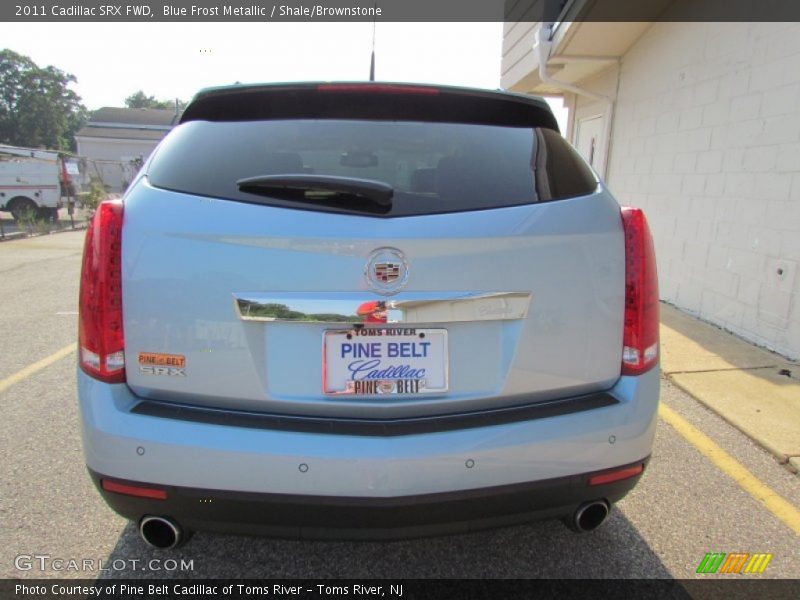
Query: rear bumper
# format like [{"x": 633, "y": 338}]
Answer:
[
  {"x": 332, "y": 517},
  {"x": 505, "y": 471}
]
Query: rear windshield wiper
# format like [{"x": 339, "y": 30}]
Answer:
[{"x": 319, "y": 188}]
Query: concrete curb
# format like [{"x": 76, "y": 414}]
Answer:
[
  {"x": 14, "y": 235},
  {"x": 24, "y": 235},
  {"x": 745, "y": 385},
  {"x": 762, "y": 441}
]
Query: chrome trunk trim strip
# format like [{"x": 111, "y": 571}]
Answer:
[{"x": 365, "y": 308}]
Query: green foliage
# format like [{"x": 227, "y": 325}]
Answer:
[
  {"x": 42, "y": 225},
  {"x": 31, "y": 221},
  {"x": 96, "y": 194},
  {"x": 27, "y": 219},
  {"x": 141, "y": 100},
  {"x": 37, "y": 108}
]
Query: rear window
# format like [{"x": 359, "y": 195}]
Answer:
[{"x": 432, "y": 167}]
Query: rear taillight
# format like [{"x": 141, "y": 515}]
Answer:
[
  {"x": 640, "y": 337},
  {"x": 101, "y": 339}
]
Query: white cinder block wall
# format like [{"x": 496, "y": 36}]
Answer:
[{"x": 706, "y": 138}]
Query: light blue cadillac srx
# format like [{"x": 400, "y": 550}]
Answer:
[{"x": 365, "y": 310}]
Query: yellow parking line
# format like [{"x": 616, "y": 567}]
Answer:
[
  {"x": 778, "y": 506},
  {"x": 36, "y": 367}
]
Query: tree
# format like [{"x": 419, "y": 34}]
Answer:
[
  {"x": 141, "y": 100},
  {"x": 37, "y": 108}
]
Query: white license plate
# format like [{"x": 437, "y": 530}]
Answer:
[{"x": 373, "y": 360}]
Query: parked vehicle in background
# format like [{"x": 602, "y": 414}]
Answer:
[
  {"x": 33, "y": 183},
  {"x": 366, "y": 310}
]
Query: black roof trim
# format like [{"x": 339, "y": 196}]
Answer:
[{"x": 396, "y": 101}]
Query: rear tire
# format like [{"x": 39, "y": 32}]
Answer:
[{"x": 22, "y": 208}]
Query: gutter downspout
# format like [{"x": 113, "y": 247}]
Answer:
[{"x": 544, "y": 44}]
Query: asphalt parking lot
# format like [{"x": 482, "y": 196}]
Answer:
[{"x": 684, "y": 507}]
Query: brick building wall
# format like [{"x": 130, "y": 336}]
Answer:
[{"x": 706, "y": 138}]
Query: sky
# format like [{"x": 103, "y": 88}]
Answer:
[{"x": 168, "y": 60}]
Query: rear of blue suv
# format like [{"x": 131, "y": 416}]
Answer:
[{"x": 365, "y": 310}]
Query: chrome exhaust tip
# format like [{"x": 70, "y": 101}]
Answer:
[
  {"x": 589, "y": 516},
  {"x": 160, "y": 532}
]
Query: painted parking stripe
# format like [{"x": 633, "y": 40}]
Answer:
[
  {"x": 36, "y": 367},
  {"x": 774, "y": 503}
]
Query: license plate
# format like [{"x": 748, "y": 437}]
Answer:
[{"x": 369, "y": 361}]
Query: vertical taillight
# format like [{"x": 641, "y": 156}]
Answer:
[
  {"x": 101, "y": 339},
  {"x": 640, "y": 337}
]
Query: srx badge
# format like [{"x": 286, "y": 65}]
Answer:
[{"x": 154, "y": 363}]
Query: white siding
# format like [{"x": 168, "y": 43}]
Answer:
[{"x": 518, "y": 59}]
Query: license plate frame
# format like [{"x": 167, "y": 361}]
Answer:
[{"x": 399, "y": 365}]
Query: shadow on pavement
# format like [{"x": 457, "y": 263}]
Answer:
[
  {"x": 717, "y": 349},
  {"x": 541, "y": 549}
]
